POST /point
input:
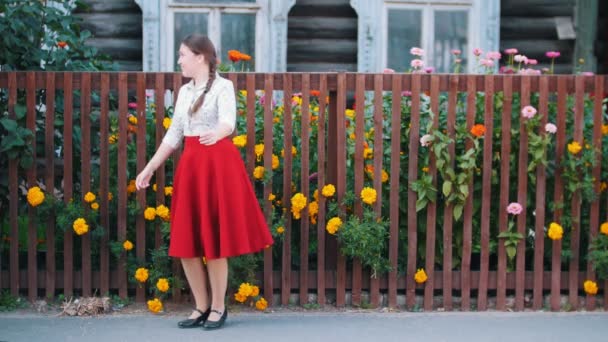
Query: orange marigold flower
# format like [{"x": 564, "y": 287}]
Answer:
[
  {"x": 478, "y": 130},
  {"x": 62, "y": 44},
  {"x": 315, "y": 93},
  {"x": 245, "y": 57},
  {"x": 234, "y": 55}
]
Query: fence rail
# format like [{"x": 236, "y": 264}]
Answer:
[{"x": 485, "y": 209}]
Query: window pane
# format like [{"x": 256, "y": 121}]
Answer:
[
  {"x": 212, "y": 1},
  {"x": 238, "y": 33},
  {"x": 404, "y": 32},
  {"x": 450, "y": 33},
  {"x": 188, "y": 23}
]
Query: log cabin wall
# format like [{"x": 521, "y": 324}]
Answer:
[{"x": 116, "y": 26}]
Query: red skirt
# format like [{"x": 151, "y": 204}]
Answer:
[{"x": 214, "y": 210}]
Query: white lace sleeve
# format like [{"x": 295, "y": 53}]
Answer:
[
  {"x": 175, "y": 133},
  {"x": 226, "y": 104}
]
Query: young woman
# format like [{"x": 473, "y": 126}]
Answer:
[{"x": 214, "y": 210}]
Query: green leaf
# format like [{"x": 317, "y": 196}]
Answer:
[
  {"x": 421, "y": 204},
  {"x": 511, "y": 251},
  {"x": 458, "y": 211},
  {"x": 447, "y": 188},
  {"x": 9, "y": 125}
]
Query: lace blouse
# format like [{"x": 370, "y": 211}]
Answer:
[{"x": 219, "y": 107}]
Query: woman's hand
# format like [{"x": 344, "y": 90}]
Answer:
[
  {"x": 143, "y": 179},
  {"x": 208, "y": 138}
]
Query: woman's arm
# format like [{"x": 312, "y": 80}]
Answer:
[
  {"x": 226, "y": 105},
  {"x": 143, "y": 179}
]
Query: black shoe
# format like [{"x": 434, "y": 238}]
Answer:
[
  {"x": 210, "y": 325},
  {"x": 195, "y": 322}
]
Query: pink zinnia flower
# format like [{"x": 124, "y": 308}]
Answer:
[
  {"x": 514, "y": 208},
  {"x": 528, "y": 112},
  {"x": 406, "y": 93},
  {"x": 458, "y": 60},
  {"x": 550, "y": 128},
  {"x": 416, "y": 51},
  {"x": 477, "y": 52},
  {"x": 520, "y": 58},
  {"x": 587, "y": 73},
  {"x": 388, "y": 71},
  {"x": 506, "y": 70},
  {"x": 553, "y": 54},
  {"x": 426, "y": 140},
  {"x": 429, "y": 70},
  {"x": 511, "y": 51},
  {"x": 531, "y": 61},
  {"x": 494, "y": 55},
  {"x": 132, "y": 105},
  {"x": 487, "y": 62},
  {"x": 417, "y": 63},
  {"x": 456, "y": 52}
]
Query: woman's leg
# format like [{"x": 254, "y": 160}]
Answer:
[
  {"x": 218, "y": 279},
  {"x": 197, "y": 278}
]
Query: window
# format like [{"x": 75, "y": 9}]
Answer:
[
  {"x": 230, "y": 24},
  {"x": 438, "y": 27}
]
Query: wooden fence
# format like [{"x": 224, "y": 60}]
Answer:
[{"x": 332, "y": 270}]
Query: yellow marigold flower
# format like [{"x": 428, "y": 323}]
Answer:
[
  {"x": 272, "y": 197},
  {"x": 425, "y": 169},
  {"x": 240, "y": 140},
  {"x": 275, "y": 162},
  {"x": 150, "y": 213},
  {"x": 258, "y": 172},
  {"x": 89, "y": 197},
  {"x": 315, "y": 195},
  {"x": 368, "y": 195},
  {"x": 369, "y": 134},
  {"x": 590, "y": 287},
  {"x": 255, "y": 291},
  {"x": 294, "y": 151},
  {"x": 131, "y": 188},
  {"x": 35, "y": 196},
  {"x": 280, "y": 230},
  {"x": 328, "y": 190},
  {"x": 605, "y": 129},
  {"x": 168, "y": 191},
  {"x": 155, "y": 305},
  {"x": 133, "y": 119},
  {"x": 333, "y": 225},
  {"x": 245, "y": 289},
  {"x": 240, "y": 297},
  {"x": 604, "y": 228},
  {"x": 80, "y": 226},
  {"x": 420, "y": 276},
  {"x": 368, "y": 153},
  {"x": 555, "y": 231},
  {"x": 352, "y": 136},
  {"x": 127, "y": 245},
  {"x": 350, "y": 113},
  {"x": 259, "y": 151},
  {"x": 261, "y": 304},
  {"x": 276, "y": 119},
  {"x": 166, "y": 122},
  {"x": 296, "y": 100},
  {"x": 243, "y": 92},
  {"x": 95, "y": 206},
  {"x": 162, "y": 285},
  {"x": 384, "y": 176},
  {"x": 313, "y": 208},
  {"x": 110, "y": 196},
  {"x": 298, "y": 201},
  {"x": 163, "y": 212},
  {"x": 154, "y": 187},
  {"x": 141, "y": 274},
  {"x": 574, "y": 147},
  {"x": 112, "y": 139}
]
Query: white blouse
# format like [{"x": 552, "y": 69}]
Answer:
[{"x": 219, "y": 107}]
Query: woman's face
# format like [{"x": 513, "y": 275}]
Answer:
[{"x": 189, "y": 62}]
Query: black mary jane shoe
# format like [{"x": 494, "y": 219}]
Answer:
[
  {"x": 195, "y": 322},
  {"x": 211, "y": 325}
]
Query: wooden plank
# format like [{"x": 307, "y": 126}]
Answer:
[
  {"x": 431, "y": 213},
  {"x": 305, "y": 187},
  {"x": 522, "y": 198},
  {"x": 395, "y": 117},
  {"x": 140, "y": 224},
  {"x": 159, "y": 100},
  {"x": 122, "y": 180},
  {"x": 579, "y": 122},
  {"x": 448, "y": 213},
  {"x": 539, "y": 233},
  {"x": 13, "y": 181},
  {"x": 68, "y": 180},
  {"x": 287, "y": 175},
  {"x": 49, "y": 152},
  {"x": 32, "y": 243},
  {"x": 268, "y": 116},
  {"x": 321, "y": 159},
  {"x": 412, "y": 217},
  {"x": 594, "y": 220},
  {"x": 559, "y": 191},
  {"x": 467, "y": 233},
  {"x": 341, "y": 181},
  {"x": 104, "y": 185},
  {"x": 374, "y": 287},
  {"x": 85, "y": 155},
  {"x": 358, "y": 207}
]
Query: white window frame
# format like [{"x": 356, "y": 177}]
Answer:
[
  {"x": 214, "y": 11},
  {"x": 428, "y": 26}
]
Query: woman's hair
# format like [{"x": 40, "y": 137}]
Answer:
[{"x": 200, "y": 44}]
